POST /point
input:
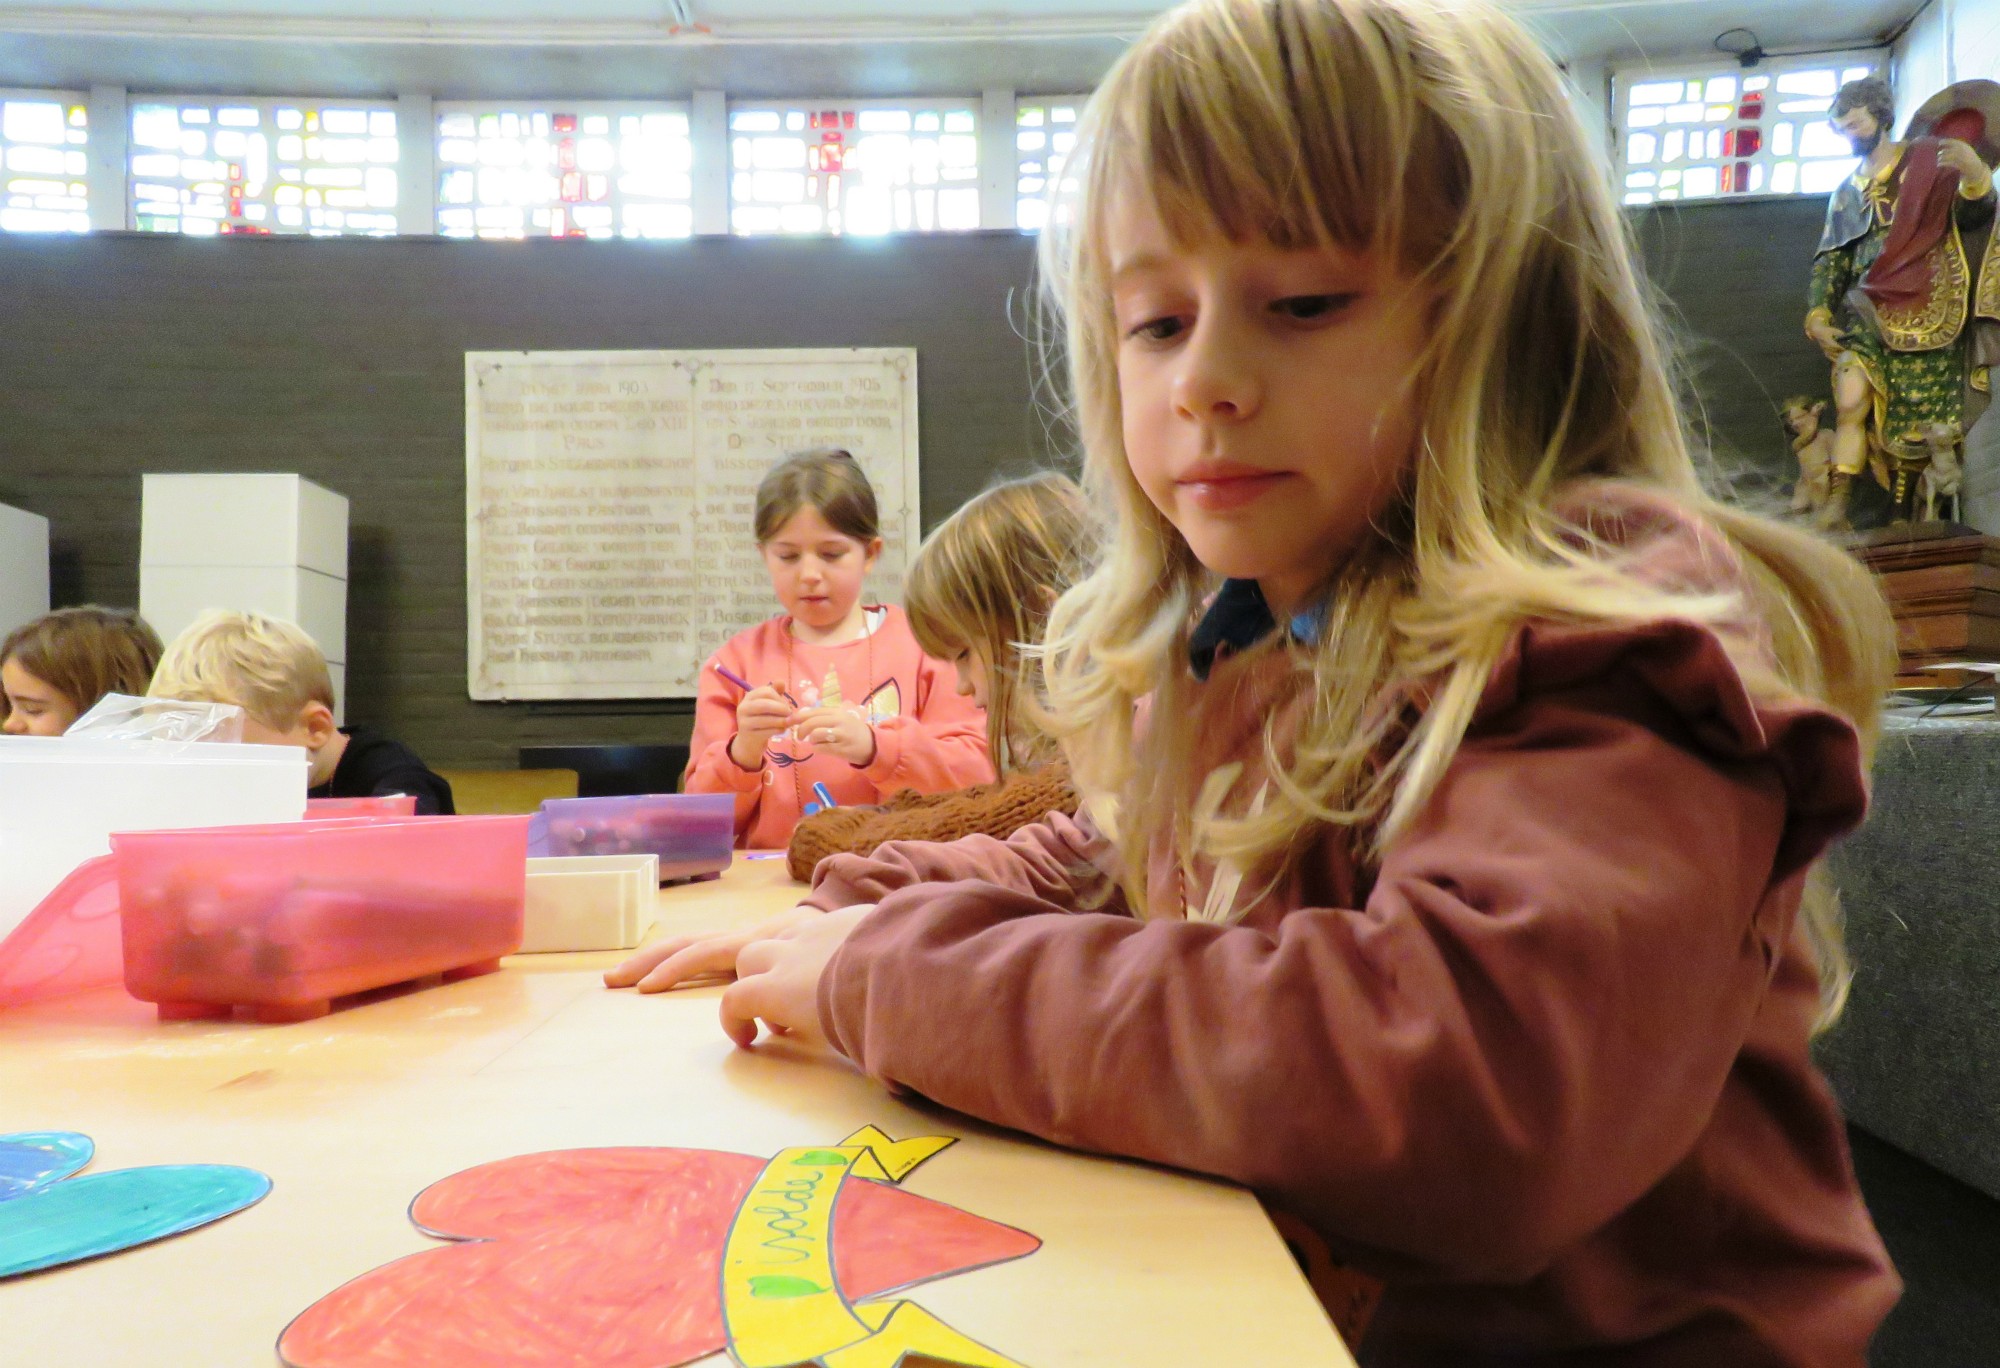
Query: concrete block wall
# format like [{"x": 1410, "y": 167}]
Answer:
[{"x": 343, "y": 361}]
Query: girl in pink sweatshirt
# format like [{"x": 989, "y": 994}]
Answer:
[
  {"x": 832, "y": 693},
  {"x": 1456, "y": 772}
]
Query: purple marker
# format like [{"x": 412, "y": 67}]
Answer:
[{"x": 740, "y": 682}]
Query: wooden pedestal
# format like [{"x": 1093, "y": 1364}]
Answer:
[{"x": 1943, "y": 584}]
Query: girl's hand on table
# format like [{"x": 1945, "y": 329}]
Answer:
[
  {"x": 777, "y": 979},
  {"x": 844, "y": 732},
  {"x": 679, "y": 960}
]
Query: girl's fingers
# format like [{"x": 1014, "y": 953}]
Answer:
[
  {"x": 741, "y": 1003},
  {"x": 821, "y": 717},
  {"x": 754, "y": 956},
  {"x": 643, "y": 963},
  {"x": 678, "y": 959},
  {"x": 704, "y": 958}
]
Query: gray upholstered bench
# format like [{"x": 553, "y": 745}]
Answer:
[{"x": 1916, "y": 1058}]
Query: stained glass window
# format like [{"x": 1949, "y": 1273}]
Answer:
[
  {"x": 208, "y": 166},
  {"x": 1044, "y": 134},
  {"x": 44, "y": 162},
  {"x": 1715, "y": 132},
  {"x": 854, "y": 167},
  {"x": 570, "y": 169}
]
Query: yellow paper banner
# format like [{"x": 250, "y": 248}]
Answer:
[{"x": 780, "y": 1301}]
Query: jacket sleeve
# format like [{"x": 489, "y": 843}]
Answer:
[
  {"x": 1524, "y": 1027},
  {"x": 711, "y": 769},
  {"x": 1059, "y": 863},
  {"x": 432, "y": 793},
  {"x": 938, "y": 746}
]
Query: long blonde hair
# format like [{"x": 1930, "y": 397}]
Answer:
[
  {"x": 984, "y": 582},
  {"x": 1441, "y": 136}
]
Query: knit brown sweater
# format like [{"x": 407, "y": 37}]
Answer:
[{"x": 998, "y": 810}]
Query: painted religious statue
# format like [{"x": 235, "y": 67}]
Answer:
[{"x": 1905, "y": 295}]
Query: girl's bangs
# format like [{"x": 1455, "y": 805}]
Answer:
[{"x": 1220, "y": 120}]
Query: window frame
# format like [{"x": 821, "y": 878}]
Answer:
[
  {"x": 613, "y": 109},
  {"x": 1023, "y": 156},
  {"x": 1623, "y": 78},
  {"x": 267, "y": 107},
  {"x": 810, "y": 105},
  {"x": 70, "y": 100}
]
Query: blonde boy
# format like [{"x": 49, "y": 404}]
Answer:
[{"x": 277, "y": 675}]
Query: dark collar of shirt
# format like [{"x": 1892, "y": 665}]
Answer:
[{"x": 1238, "y": 619}]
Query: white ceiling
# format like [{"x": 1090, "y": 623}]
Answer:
[
  {"x": 514, "y": 48},
  {"x": 1583, "y": 28}
]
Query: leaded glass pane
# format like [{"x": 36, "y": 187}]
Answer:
[
  {"x": 577, "y": 170},
  {"x": 44, "y": 162},
  {"x": 1044, "y": 135},
  {"x": 205, "y": 167},
  {"x": 841, "y": 167},
  {"x": 1711, "y": 127}
]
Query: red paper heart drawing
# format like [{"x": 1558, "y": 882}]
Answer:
[{"x": 610, "y": 1257}]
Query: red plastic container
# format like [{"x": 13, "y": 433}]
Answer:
[
  {"x": 284, "y": 919},
  {"x": 388, "y": 805}
]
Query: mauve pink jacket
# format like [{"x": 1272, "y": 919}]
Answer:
[{"x": 1544, "y": 1070}]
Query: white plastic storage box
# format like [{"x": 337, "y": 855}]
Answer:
[
  {"x": 61, "y": 798},
  {"x": 590, "y": 902}
]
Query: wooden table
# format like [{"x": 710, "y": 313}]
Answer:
[{"x": 353, "y": 1114}]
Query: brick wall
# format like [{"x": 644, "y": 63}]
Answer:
[
  {"x": 1734, "y": 280},
  {"x": 343, "y": 361}
]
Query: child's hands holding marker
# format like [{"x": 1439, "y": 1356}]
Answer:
[
  {"x": 767, "y": 711},
  {"x": 840, "y": 731},
  {"x": 763, "y": 713}
]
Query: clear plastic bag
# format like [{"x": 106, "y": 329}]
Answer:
[{"x": 121, "y": 717}]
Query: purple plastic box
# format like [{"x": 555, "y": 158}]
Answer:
[{"x": 692, "y": 833}]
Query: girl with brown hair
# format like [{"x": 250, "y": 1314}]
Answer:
[
  {"x": 833, "y": 693},
  {"x": 54, "y": 669}
]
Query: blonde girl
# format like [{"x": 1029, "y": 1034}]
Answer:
[
  {"x": 980, "y": 589},
  {"x": 833, "y": 693},
  {"x": 1458, "y": 765}
]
